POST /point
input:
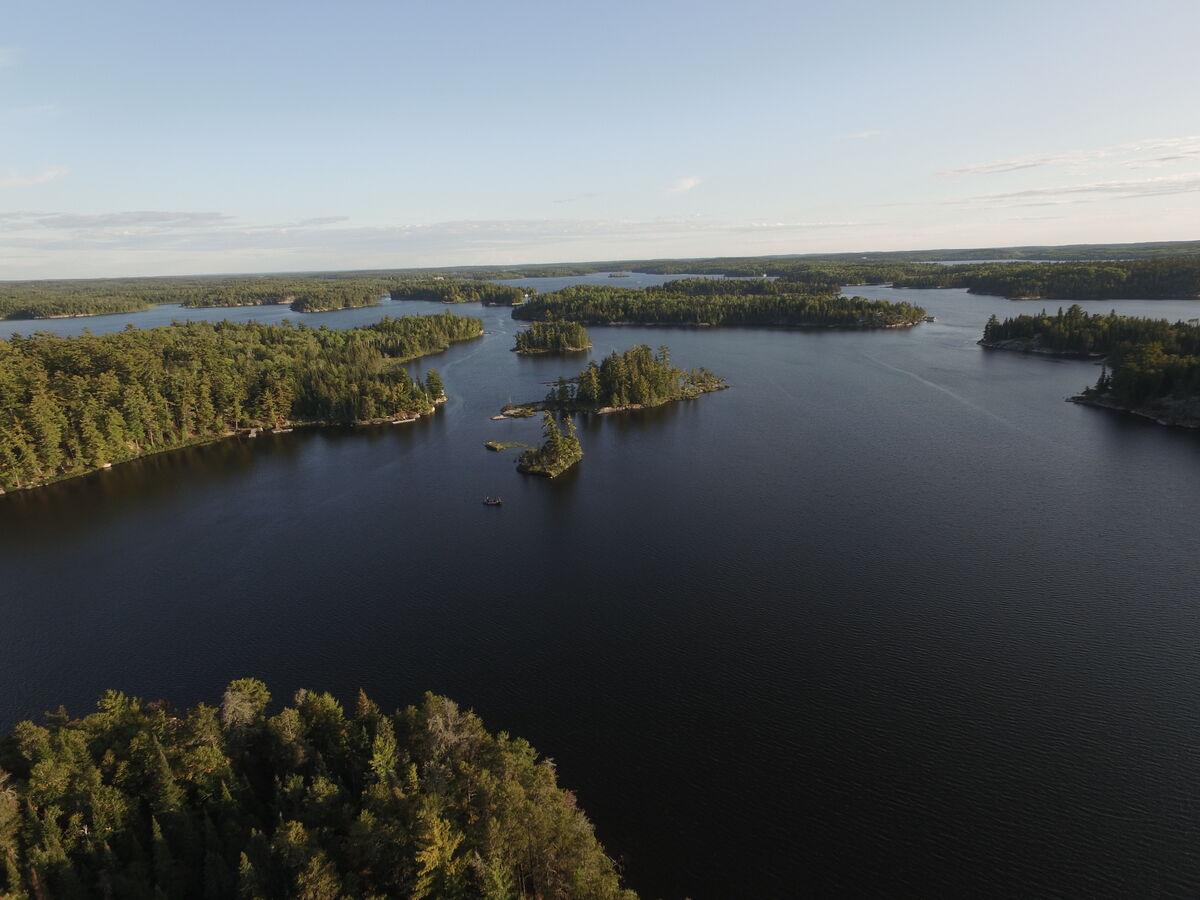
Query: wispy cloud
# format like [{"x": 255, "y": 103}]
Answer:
[
  {"x": 1149, "y": 152},
  {"x": 1087, "y": 193},
  {"x": 200, "y": 232},
  {"x": 148, "y": 220},
  {"x": 8, "y": 56},
  {"x": 685, "y": 184},
  {"x": 575, "y": 198},
  {"x": 863, "y": 135},
  {"x": 16, "y": 179}
]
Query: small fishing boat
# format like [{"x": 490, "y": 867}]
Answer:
[{"x": 492, "y": 501}]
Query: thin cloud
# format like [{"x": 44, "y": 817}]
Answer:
[
  {"x": 8, "y": 56},
  {"x": 206, "y": 232},
  {"x": 685, "y": 184},
  {"x": 15, "y": 179},
  {"x": 1086, "y": 193},
  {"x": 575, "y": 198},
  {"x": 863, "y": 135},
  {"x": 1129, "y": 155}
]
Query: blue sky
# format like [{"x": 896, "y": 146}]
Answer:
[{"x": 170, "y": 138}]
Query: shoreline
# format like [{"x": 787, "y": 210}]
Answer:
[
  {"x": 1033, "y": 347},
  {"x": 528, "y": 410},
  {"x": 250, "y": 433},
  {"x": 1188, "y": 418}
]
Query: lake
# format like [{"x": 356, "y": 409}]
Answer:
[{"x": 886, "y": 618}]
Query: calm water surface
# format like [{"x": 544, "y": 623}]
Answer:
[{"x": 886, "y": 618}]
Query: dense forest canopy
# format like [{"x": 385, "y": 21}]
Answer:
[
  {"x": 443, "y": 290},
  {"x": 302, "y": 295},
  {"x": 552, "y": 337},
  {"x": 1151, "y": 363},
  {"x": 140, "y": 801},
  {"x": 1167, "y": 278},
  {"x": 72, "y": 405},
  {"x": 711, "y": 302}
]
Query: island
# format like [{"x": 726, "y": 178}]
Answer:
[
  {"x": 723, "y": 302},
  {"x": 142, "y": 799},
  {"x": 635, "y": 379},
  {"x": 69, "y": 406},
  {"x": 552, "y": 337},
  {"x": 558, "y": 452},
  {"x": 455, "y": 290},
  {"x": 1151, "y": 366}
]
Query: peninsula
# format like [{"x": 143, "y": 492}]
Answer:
[
  {"x": 69, "y": 406},
  {"x": 1152, "y": 366}
]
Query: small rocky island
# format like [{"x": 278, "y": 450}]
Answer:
[{"x": 559, "y": 452}]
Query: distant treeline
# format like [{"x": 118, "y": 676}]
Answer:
[
  {"x": 304, "y": 295},
  {"x": 72, "y": 405},
  {"x": 552, "y": 337},
  {"x": 635, "y": 377},
  {"x": 1168, "y": 278},
  {"x": 711, "y": 302},
  {"x": 457, "y": 291},
  {"x": 1151, "y": 363},
  {"x": 141, "y": 801}
]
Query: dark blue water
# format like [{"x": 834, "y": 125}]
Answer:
[{"x": 886, "y": 618}]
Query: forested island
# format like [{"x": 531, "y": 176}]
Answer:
[
  {"x": 141, "y": 801},
  {"x": 635, "y": 379},
  {"x": 559, "y": 451},
  {"x": 73, "y": 405},
  {"x": 552, "y": 337},
  {"x": 702, "y": 301},
  {"x": 1149, "y": 279},
  {"x": 1152, "y": 367},
  {"x": 459, "y": 291}
]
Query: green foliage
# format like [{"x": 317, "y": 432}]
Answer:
[
  {"x": 441, "y": 290},
  {"x": 726, "y": 302},
  {"x": 636, "y": 377},
  {"x": 308, "y": 803},
  {"x": 92, "y": 297},
  {"x": 553, "y": 337},
  {"x": 1163, "y": 278},
  {"x": 71, "y": 405},
  {"x": 559, "y": 452},
  {"x": 1150, "y": 362}
]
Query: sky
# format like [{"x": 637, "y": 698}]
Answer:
[{"x": 141, "y": 138}]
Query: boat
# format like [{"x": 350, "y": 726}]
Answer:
[{"x": 492, "y": 501}]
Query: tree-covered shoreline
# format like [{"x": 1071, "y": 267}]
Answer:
[
  {"x": 1168, "y": 278},
  {"x": 69, "y": 406},
  {"x": 710, "y": 302},
  {"x": 1152, "y": 366},
  {"x": 140, "y": 800}
]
